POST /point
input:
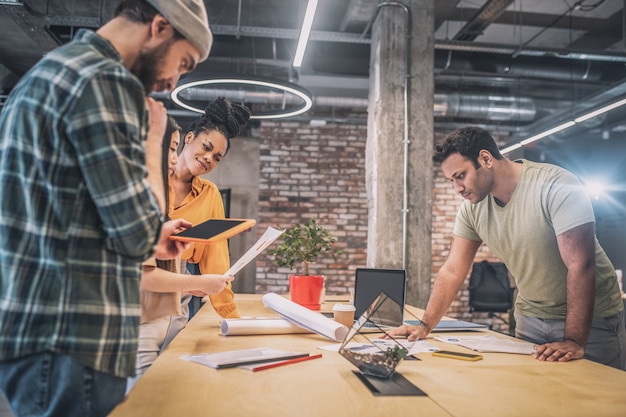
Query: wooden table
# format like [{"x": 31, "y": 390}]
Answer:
[{"x": 499, "y": 385}]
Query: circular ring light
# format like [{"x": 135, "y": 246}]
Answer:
[{"x": 284, "y": 87}]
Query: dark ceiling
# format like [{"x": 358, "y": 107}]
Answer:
[{"x": 515, "y": 67}]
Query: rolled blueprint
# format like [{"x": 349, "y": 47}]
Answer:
[
  {"x": 305, "y": 318},
  {"x": 253, "y": 326}
]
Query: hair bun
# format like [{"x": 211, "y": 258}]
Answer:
[{"x": 231, "y": 116}]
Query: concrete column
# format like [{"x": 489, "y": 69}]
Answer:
[{"x": 385, "y": 149}]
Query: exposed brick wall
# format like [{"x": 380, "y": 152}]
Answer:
[
  {"x": 315, "y": 173},
  {"x": 320, "y": 172}
]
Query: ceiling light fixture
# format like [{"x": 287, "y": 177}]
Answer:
[
  {"x": 304, "y": 33},
  {"x": 231, "y": 87},
  {"x": 563, "y": 126}
]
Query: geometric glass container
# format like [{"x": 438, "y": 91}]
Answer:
[{"x": 364, "y": 347}]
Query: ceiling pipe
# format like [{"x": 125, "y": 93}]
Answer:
[
  {"x": 582, "y": 71},
  {"x": 536, "y": 52},
  {"x": 487, "y": 14},
  {"x": 549, "y": 69},
  {"x": 471, "y": 106},
  {"x": 325, "y": 36},
  {"x": 485, "y": 107}
]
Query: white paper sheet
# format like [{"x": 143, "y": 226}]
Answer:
[
  {"x": 253, "y": 326},
  {"x": 305, "y": 318},
  {"x": 418, "y": 346},
  {"x": 264, "y": 241},
  {"x": 488, "y": 343},
  {"x": 233, "y": 358}
]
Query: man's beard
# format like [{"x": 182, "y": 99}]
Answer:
[{"x": 148, "y": 65}]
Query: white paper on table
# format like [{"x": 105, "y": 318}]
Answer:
[
  {"x": 421, "y": 346},
  {"x": 261, "y": 325},
  {"x": 418, "y": 346},
  {"x": 305, "y": 318},
  {"x": 350, "y": 345},
  {"x": 458, "y": 340},
  {"x": 264, "y": 241},
  {"x": 490, "y": 344},
  {"x": 413, "y": 347},
  {"x": 233, "y": 358}
]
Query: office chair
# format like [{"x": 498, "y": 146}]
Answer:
[{"x": 490, "y": 290}]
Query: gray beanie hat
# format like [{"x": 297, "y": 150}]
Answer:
[{"x": 190, "y": 19}]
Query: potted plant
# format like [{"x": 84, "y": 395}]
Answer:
[{"x": 301, "y": 245}]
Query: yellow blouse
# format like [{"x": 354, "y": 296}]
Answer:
[{"x": 204, "y": 202}]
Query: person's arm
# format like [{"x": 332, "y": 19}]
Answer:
[
  {"x": 154, "y": 149},
  {"x": 577, "y": 249},
  {"x": 447, "y": 285},
  {"x": 215, "y": 259},
  {"x": 163, "y": 281}
]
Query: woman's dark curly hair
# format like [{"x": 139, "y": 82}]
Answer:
[{"x": 225, "y": 117}]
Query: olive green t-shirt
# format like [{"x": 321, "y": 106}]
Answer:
[{"x": 547, "y": 201}]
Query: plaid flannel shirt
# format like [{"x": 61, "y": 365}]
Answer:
[{"x": 77, "y": 217}]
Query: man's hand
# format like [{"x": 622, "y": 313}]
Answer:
[
  {"x": 412, "y": 332},
  {"x": 168, "y": 248},
  {"x": 208, "y": 284},
  {"x": 154, "y": 149},
  {"x": 564, "y": 351},
  {"x": 157, "y": 115}
]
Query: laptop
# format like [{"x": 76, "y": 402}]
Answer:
[{"x": 369, "y": 283}]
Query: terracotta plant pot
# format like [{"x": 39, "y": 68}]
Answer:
[{"x": 307, "y": 290}]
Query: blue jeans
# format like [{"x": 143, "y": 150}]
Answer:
[
  {"x": 607, "y": 338},
  {"x": 50, "y": 384}
]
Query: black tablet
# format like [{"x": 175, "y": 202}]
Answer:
[{"x": 214, "y": 230}]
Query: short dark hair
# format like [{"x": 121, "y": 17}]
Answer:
[
  {"x": 467, "y": 141},
  {"x": 139, "y": 11}
]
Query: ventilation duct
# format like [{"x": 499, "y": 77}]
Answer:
[
  {"x": 468, "y": 106},
  {"x": 532, "y": 68},
  {"x": 487, "y": 107}
]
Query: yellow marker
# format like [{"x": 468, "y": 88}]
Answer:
[{"x": 458, "y": 355}]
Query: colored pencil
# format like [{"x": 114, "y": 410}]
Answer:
[{"x": 288, "y": 362}]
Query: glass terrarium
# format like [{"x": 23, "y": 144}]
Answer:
[{"x": 364, "y": 346}]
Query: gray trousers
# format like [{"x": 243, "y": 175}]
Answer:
[{"x": 607, "y": 338}]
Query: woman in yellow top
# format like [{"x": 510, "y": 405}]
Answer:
[
  {"x": 161, "y": 283},
  {"x": 198, "y": 199}
]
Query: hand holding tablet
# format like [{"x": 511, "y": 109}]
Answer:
[{"x": 214, "y": 230}]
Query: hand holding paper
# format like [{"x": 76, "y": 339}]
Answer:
[{"x": 264, "y": 241}]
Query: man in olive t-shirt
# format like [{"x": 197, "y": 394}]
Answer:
[{"x": 538, "y": 219}]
